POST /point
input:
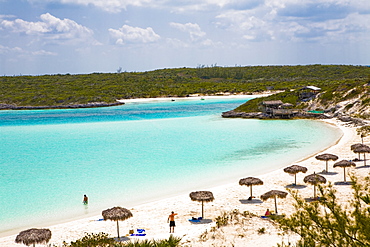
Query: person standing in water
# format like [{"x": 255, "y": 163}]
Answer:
[
  {"x": 85, "y": 200},
  {"x": 171, "y": 219}
]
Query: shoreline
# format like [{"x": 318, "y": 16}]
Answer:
[
  {"x": 152, "y": 216},
  {"x": 197, "y": 97},
  {"x": 119, "y": 102}
]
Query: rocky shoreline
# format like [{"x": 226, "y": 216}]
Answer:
[
  {"x": 303, "y": 114},
  {"x": 261, "y": 115},
  {"x": 72, "y": 106}
]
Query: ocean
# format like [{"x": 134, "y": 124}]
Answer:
[{"x": 136, "y": 153}]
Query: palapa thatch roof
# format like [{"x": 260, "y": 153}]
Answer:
[
  {"x": 314, "y": 179},
  {"x": 203, "y": 196},
  {"x": 116, "y": 213},
  {"x": 362, "y": 149},
  {"x": 250, "y": 181},
  {"x": 294, "y": 169},
  {"x": 326, "y": 157},
  {"x": 33, "y": 236},
  {"x": 344, "y": 163},
  {"x": 357, "y": 145},
  {"x": 274, "y": 194}
]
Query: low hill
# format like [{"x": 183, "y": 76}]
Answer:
[{"x": 55, "y": 91}]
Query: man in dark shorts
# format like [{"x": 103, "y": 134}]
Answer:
[
  {"x": 85, "y": 200},
  {"x": 171, "y": 219}
]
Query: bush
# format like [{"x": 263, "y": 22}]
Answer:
[{"x": 327, "y": 222}]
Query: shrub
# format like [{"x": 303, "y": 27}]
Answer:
[{"x": 327, "y": 222}]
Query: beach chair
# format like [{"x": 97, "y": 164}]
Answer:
[
  {"x": 194, "y": 219},
  {"x": 140, "y": 232}
]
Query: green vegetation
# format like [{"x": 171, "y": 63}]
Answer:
[
  {"x": 103, "y": 240},
  {"x": 69, "y": 89},
  {"x": 329, "y": 222},
  {"x": 355, "y": 91},
  {"x": 363, "y": 132}
]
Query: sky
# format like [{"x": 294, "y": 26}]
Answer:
[{"x": 40, "y": 37}]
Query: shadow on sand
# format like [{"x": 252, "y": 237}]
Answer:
[
  {"x": 254, "y": 201},
  {"x": 295, "y": 186},
  {"x": 343, "y": 183},
  {"x": 328, "y": 173},
  {"x": 361, "y": 167},
  {"x": 121, "y": 239},
  {"x": 311, "y": 199}
]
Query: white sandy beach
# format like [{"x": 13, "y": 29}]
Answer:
[
  {"x": 153, "y": 216},
  {"x": 198, "y": 97}
]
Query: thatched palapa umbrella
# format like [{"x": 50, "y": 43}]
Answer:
[
  {"x": 357, "y": 145},
  {"x": 344, "y": 164},
  {"x": 326, "y": 157},
  {"x": 362, "y": 150},
  {"x": 202, "y": 196},
  {"x": 250, "y": 181},
  {"x": 116, "y": 214},
  {"x": 274, "y": 194},
  {"x": 314, "y": 179},
  {"x": 294, "y": 169},
  {"x": 33, "y": 236}
]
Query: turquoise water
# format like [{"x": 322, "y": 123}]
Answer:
[{"x": 135, "y": 153}]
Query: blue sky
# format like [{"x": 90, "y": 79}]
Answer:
[{"x": 86, "y": 36}]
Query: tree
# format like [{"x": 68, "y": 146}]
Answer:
[
  {"x": 327, "y": 222},
  {"x": 363, "y": 132}
]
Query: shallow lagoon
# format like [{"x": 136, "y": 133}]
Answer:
[{"x": 136, "y": 153}]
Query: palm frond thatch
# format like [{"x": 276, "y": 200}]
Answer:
[
  {"x": 33, "y": 236},
  {"x": 326, "y": 157},
  {"x": 250, "y": 181},
  {"x": 362, "y": 150},
  {"x": 116, "y": 214},
  {"x": 294, "y": 169},
  {"x": 274, "y": 194},
  {"x": 202, "y": 196},
  {"x": 314, "y": 179},
  {"x": 344, "y": 164}
]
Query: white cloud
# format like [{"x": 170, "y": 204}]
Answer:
[
  {"x": 114, "y": 6},
  {"x": 128, "y": 34},
  {"x": 51, "y": 28},
  {"x": 193, "y": 29},
  {"x": 298, "y": 20},
  {"x": 20, "y": 51}
]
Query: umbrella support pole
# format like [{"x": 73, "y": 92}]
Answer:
[
  {"x": 314, "y": 192},
  {"x": 251, "y": 192},
  {"x": 295, "y": 178},
  {"x": 276, "y": 212},
  {"x": 344, "y": 172},
  {"x": 364, "y": 159},
  {"x": 326, "y": 167},
  {"x": 202, "y": 209},
  {"x": 118, "y": 229}
]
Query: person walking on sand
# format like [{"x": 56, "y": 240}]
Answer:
[
  {"x": 85, "y": 200},
  {"x": 171, "y": 219}
]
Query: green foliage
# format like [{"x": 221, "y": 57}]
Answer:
[
  {"x": 92, "y": 240},
  {"x": 261, "y": 230},
  {"x": 363, "y": 131},
  {"x": 68, "y": 89},
  {"x": 103, "y": 240},
  {"x": 327, "y": 222}
]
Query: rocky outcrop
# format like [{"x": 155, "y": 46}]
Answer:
[
  {"x": 72, "y": 106},
  {"x": 260, "y": 115}
]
